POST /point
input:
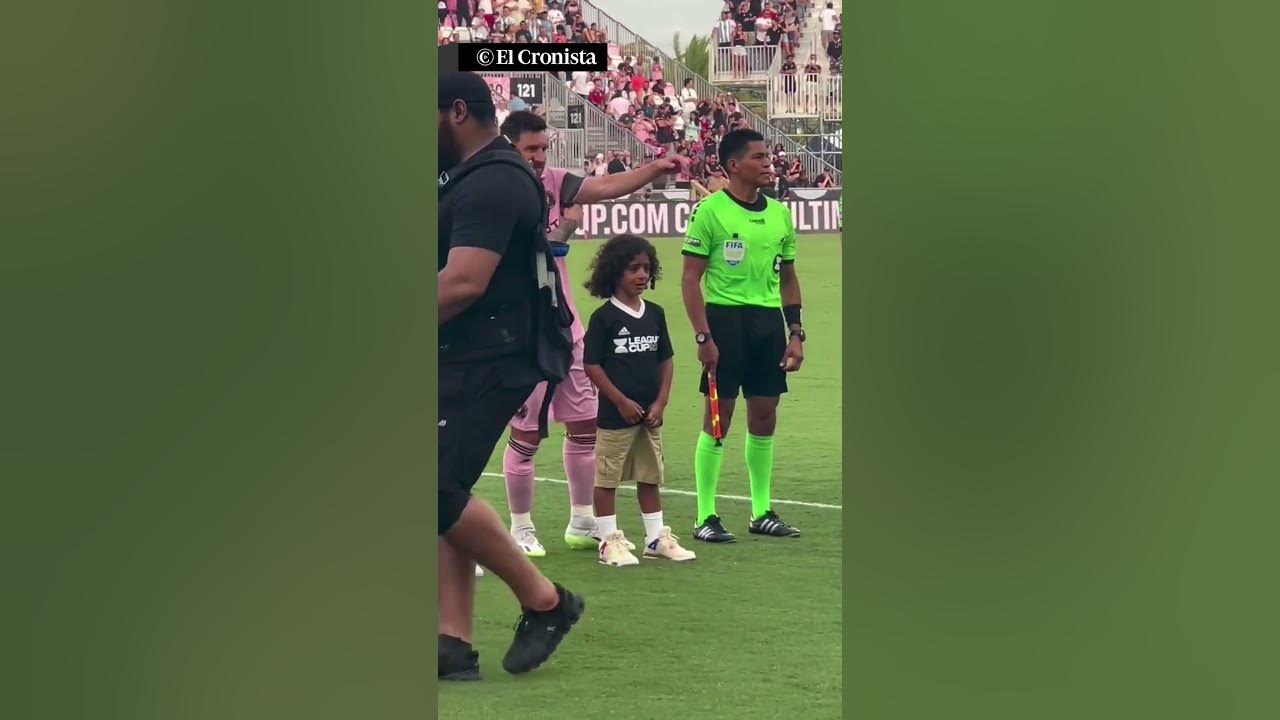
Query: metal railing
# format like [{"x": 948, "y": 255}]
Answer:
[
  {"x": 743, "y": 62},
  {"x": 676, "y": 72},
  {"x": 806, "y": 96}
]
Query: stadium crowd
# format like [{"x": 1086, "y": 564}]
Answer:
[{"x": 634, "y": 92}]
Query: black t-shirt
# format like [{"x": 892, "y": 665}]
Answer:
[
  {"x": 616, "y": 166},
  {"x": 630, "y": 347},
  {"x": 499, "y": 326}
]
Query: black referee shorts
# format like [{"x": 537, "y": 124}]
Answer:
[
  {"x": 752, "y": 341},
  {"x": 475, "y": 407}
]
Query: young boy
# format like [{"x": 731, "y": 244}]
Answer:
[{"x": 627, "y": 355}]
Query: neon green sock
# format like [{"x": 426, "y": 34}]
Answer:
[
  {"x": 706, "y": 474},
  {"x": 760, "y": 470}
]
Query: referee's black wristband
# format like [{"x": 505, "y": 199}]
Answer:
[{"x": 792, "y": 314}]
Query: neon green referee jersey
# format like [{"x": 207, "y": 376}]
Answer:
[{"x": 745, "y": 249}]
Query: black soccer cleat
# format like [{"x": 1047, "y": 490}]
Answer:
[
  {"x": 456, "y": 660},
  {"x": 712, "y": 531},
  {"x": 539, "y": 633},
  {"x": 769, "y": 524}
]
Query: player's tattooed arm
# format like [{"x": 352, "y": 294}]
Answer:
[
  {"x": 570, "y": 221},
  {"x": 611, "y": 187}
]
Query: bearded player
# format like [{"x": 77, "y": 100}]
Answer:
[{"x": 574, "y": 400}]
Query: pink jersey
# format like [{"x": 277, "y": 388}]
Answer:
[{"x": 562, "y": 188}]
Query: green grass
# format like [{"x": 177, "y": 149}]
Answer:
[{"x": 750, "y": 629}]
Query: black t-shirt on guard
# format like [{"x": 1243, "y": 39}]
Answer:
[
  {"x": 498, "y": 328},
  {"x": 629, "y": 347}
]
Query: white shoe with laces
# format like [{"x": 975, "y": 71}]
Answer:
[
  {"x": 528, "y": 542},
  {"x": 616, "y": 551},
  {"x": 667, "y": 546}
]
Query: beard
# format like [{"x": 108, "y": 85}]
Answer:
[{"x": 450, "y": 152}]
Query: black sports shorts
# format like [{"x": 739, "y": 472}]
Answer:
[
  {"x": 752, "y": 341},
  {"x": 475, "y": 407}
]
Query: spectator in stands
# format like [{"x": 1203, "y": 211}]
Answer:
[
  {"x": 788, "y": 73},
  {"x": 479, "y": 29},
  {"x": 790, "y": 32},
  {"x": 739, "y": 54},
  {"x": 579, "y": 34},
  {"x": 615, "y": 163},
  {"x": 629, "y": 117},
  {"x": 597, "y": 96},
  {"x": 834, "y": 49},
  {"x": 655, "y": 71},
  {"x": 465, "y": 10},
  {"x": 619, "y": 105},
  {"x": 599, "y": 168},
  {"x": 442, "y": 11},
  {"x": 522, "y": 33},
  {"x": 665, "y": 124},
  {"x": 643, "y": 129},
  {"x": 595, "y": 34},
  {"x": 485, "y": 9},
  {"x": 724, "y": 30},
  {"x": 795, "y": 173},
  {"x": 825, "y": 180},
  {"x": 554, "y": 13},
  {"x": 828, "y": 20},
  {"x": 636, "y": 80},
  {"x": 559, "y": 36},
  {"x": 689, "y": 97}
]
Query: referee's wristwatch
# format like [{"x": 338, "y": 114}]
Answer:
[
  {"x": 701, "y": 338},
  {"x": 798, "y": 333}
]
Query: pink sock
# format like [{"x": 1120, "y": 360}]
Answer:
[
  {"x": 580, "y": 466},
  {"x": 517, "y": 466}
]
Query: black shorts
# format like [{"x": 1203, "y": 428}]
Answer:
[
  {"x": 752, "y": 341},
  {"x": 475, "y": 407}
]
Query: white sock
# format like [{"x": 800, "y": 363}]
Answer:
[
  {"x": 652, "y": 526},
  {"x": 580, "y": 516},
  {"x": 521, "y": 520},
  {"x": 608, "y": 525}
]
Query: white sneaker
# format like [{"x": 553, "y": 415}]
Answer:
[
  {"x": 528, "y": 542},
  {"x": 616, "y": 551},
  {"x": 479, "y": 571},
  {"x": 666, "y": 546}
]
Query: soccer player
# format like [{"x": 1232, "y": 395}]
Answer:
[
  {"x": 574, "y": 400},
  {"x": 743, "y": 300},
  {"x": 628, "y": 356},
  {"x": 488, "y": 295}
]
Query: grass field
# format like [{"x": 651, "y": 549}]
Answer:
[{"x": 750, "y": 629}]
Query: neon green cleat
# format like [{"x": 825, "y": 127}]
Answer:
[{"x": 582, "y": 538}]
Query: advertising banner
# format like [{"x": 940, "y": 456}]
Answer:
[{"x": 817, "y": 212}]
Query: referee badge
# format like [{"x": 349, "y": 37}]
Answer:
[{"x": 734, "y": 251}]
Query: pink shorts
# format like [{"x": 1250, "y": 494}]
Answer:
[{"x": 575, "y": 399}]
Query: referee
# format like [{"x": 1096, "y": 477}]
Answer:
[
  {"x": 488, "y": 301},
  {"x": 743, "y": 300}
]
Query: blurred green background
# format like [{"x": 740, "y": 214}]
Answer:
[
  {"x": 1059, "y": 360},
  {"x": 217, "y": 362}
]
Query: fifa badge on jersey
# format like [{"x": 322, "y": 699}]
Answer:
[{"x": 734, "y": 251}]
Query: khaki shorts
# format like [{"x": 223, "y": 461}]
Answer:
[{"x": 630, "y": 455}]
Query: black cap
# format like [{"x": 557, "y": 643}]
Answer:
[{"x": 467, "y": 87}]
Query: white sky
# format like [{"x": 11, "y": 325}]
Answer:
[{"x": 657, "y": 20}]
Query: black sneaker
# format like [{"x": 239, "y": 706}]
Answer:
[
  {"x": 538, "y": 633},
  {"x": 712, "y": 531},
  {"x": 456, "y": 660},
  {"x": 769, "y": 524}
]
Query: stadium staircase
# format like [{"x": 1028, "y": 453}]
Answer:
[{"x": 675, "y": 72}]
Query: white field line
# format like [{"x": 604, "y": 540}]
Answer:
[{"x": 669, "y": 491}]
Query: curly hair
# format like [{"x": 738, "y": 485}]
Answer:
[{"x": 611, "y": 262}]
